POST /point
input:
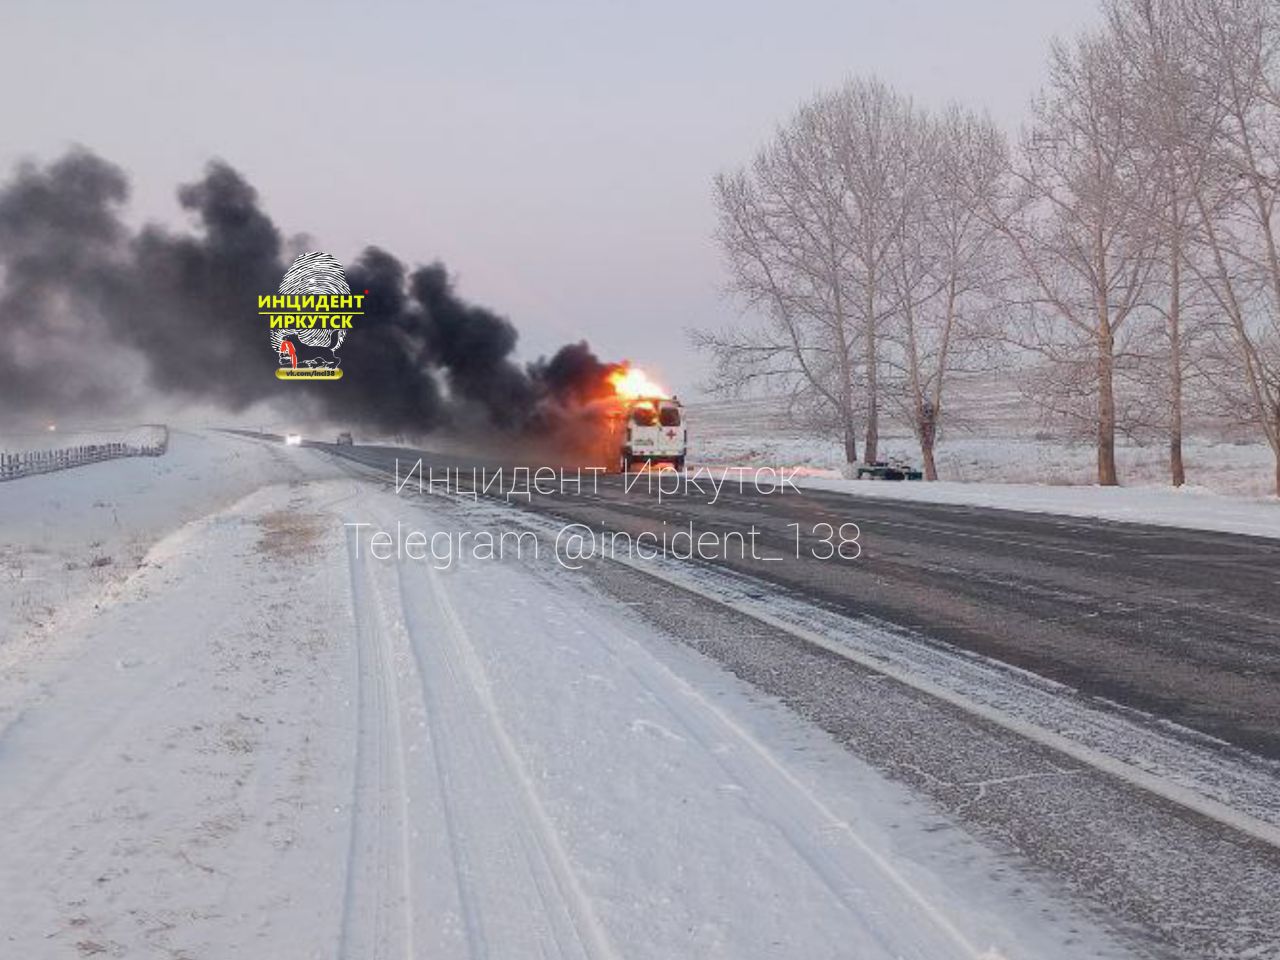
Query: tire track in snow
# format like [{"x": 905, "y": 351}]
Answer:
[
  {"x": 776, "y": 794},
  {"x": 826, "y": 843},
  {"x": 463, "y": 868},
  {"x": 508, "y": 846},
  {"x": 374, "y": 926}
]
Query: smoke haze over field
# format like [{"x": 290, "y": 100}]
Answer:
[{"x": 103, "y": 318}]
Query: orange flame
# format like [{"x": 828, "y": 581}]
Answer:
[{"x": 631, "y": 382}]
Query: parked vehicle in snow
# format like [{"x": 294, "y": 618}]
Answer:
[{"x": 888, "y": 470}]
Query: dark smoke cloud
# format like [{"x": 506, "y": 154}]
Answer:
[{"x": 98, "y": 317}]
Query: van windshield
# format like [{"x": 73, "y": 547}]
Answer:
[{"x": 670, "y": 416}]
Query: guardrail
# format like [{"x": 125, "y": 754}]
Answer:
[{"x": 31, "y": 462}]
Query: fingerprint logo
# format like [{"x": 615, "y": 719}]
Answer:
[{"x": 310, "y": 317}]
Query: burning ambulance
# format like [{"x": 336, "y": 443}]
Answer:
[{"x": 647, "y": 426}]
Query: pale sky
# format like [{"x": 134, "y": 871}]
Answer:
[{"x": 557, "y": 155}]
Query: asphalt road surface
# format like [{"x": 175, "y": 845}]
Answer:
[
  {"x": 1181, "y": 624},
  {"x": 1177, "y": 624}
]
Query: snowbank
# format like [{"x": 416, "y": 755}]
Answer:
[
  {"x": 1189, "y": 507},
  {"x": 71, "y": 534}
]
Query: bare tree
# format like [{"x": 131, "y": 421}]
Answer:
[
  {"x": 825, "y": 236},
  {"x": 946, "y": 260},
  {"x": 876, "y": 134},
  {"x": 781, "y": 230},
  {"x": 1239, "y": 42},
  {"x": 1176, "y": 113},
  {"x": 1075, "y": 226},
  {"x": 1133, "y": 238}
]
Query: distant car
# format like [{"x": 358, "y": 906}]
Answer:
[
  {"x": 293, "y": 439},
  {"x": 344, "y": 439},
  {"x": 888, "y": 470}
]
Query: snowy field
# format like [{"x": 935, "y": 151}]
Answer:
[
  {"x": 1230, "y": 481},
  {"x": 69, "y": 535},
  {"x": 999, "y": 441},
  {"x": 24, "y": 441},
  {"x": 226, "y": 731}
]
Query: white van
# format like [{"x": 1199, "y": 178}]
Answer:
[{"x": 653, "y": 432}]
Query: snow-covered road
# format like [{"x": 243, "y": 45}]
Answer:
[{"x": 261, "y": 742}]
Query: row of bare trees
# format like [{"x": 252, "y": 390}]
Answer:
[
  {"x": 856, "y": 234},
  {"x": 1122, "y": 253}
]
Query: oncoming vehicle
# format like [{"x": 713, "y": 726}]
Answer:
[
  {"x": 293, "y": 439},
  {"x": 344, "y": 439},
  {"x": 653, "y": 432}
]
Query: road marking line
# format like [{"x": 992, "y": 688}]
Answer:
[{"x": 1204, "y": 806}]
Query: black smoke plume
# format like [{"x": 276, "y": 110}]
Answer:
[{"x": 97, "y": 317}]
